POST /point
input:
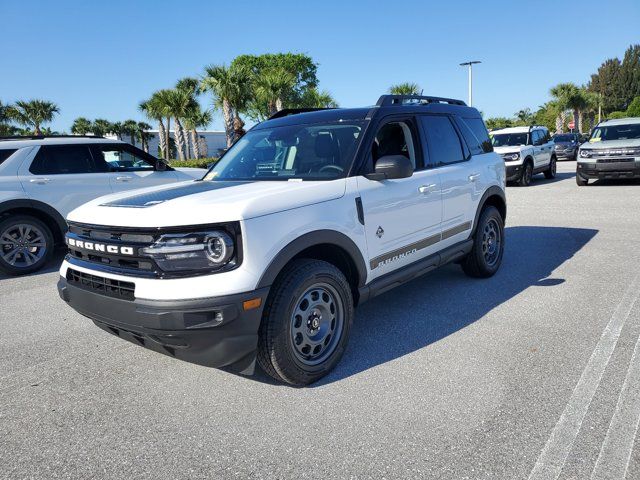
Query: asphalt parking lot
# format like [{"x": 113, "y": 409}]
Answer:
[{"x": 534, "y": 373}]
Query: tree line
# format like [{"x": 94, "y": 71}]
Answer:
[{"x": 612, "y": 92}]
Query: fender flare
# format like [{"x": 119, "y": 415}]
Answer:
[
  {"x": 41, "y": 207},
  {"x": 310, "y": 239},
  {"x": 490, "y": 192}
]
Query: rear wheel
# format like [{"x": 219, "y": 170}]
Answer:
[
  {"x": 26, "y": 244},
  {"x": 551, "y": 171},
  {"x": 306, "y": 323},
  {"x": 488, "y": 245},
  {"x": 527, "y": 174}
]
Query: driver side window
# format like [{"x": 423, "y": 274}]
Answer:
[
  {"x": 394, "y": 138},
  {"x": 115, "y": 158}
]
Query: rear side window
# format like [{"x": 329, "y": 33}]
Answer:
[
  {"x": 477, "y": 126},
  {"x": 442, "y": 140},
  {"x": 4, "y": 154},
  {"x": 62, "y": 159}
]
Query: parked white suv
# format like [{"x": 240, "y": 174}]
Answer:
[
  {"x": 306, "y": 216},
  {"x": 526, "y": 152},
  {"x": 43, "y": 178}
]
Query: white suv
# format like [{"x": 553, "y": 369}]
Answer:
[
  {"x": 43, "y": 178},
  {"x": 306, "y": 216},
  {"x": 526, "y": 151}
]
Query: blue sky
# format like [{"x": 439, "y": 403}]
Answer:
[{"x": 100, "y": 59}]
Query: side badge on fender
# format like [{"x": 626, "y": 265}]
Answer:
[{"x": 379, "y": 232}]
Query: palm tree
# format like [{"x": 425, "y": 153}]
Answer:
[
  {"x": 81, "y": 126},
  {"x": 179, "y": 103},
  {"x": 152, "y": 110},
  {"x": 144, "y": 135},
  {"x": 130, "y": 127},
  {"x": 406, "y": 88},
  {"x": 33, "y": 113},
  {"x": 273, "y": 85},
  {"x": 6, "y": 129},
  {"x": 563, "y": 95},
  {"x": 524, "y": 116},
  {"x": 313, "y": 98},
  {"x": 229, "y": 87},
  {"x": 195, "y": 119},
  {"x": 101, "y": 127}
]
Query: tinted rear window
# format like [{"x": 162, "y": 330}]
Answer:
[
  {"x": 442, "y": 140},
  {"x": 477, "y": 126},
  {"x": 6, "y": 153},
  {"x": 62, "y": 159}
]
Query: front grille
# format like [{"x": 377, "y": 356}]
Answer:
[
  {"x": 104, "y": 286},
  {"x": 117, "y": 262},
  {"x": 615, "y": 160}
]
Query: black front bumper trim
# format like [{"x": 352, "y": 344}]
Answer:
[{"x": 215, "y": 332}]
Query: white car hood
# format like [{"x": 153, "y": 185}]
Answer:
[
  {"x": 508, "y": 149},
  {"x": 204, "y": 202}
]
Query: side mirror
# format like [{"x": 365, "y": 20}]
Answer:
[
  {"x": 391, "y": 167},
  {"x": 160, "y": 166}
]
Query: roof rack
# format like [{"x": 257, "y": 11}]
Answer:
[
  {"x": 388, "y": 100},
  {"x": 285, "y": 112},
  {"x": 40, "y": 137}
]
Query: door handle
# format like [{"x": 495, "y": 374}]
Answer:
[
  {"x": 424, "y": 189},
  {"x": 39, "y": 181},
  {"x": 473, "y": 177},
  {"x": 123, "y": 179}
]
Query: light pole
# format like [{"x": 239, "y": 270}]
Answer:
[{"x": 470, "y": 65}]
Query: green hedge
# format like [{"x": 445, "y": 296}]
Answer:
[{"x": 194, "y": 163}]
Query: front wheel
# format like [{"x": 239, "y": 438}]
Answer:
[
  {"x": 306, "y": 323},
  {"x": 488, "y": 245},
  {"x": 26, "y": 244},
  {"x": 551, "y": 171},
  {"x": 527, "y": 174}
]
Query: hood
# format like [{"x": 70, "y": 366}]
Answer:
[
  {"x": 508, "y": 149},
  {"x": 608, "y": 144},
  {"x": 202, "y": 202},
  {"x": 565, "y": 144}
]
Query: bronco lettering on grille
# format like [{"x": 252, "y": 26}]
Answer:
[{"x": 100, "y": 247}]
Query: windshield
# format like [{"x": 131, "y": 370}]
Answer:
[
  {"x": 509, "y": 139},
  {"x": 563, "y": 138},
  {"x": 616, "y": 132},
  {"x": 306, "y": 152}
]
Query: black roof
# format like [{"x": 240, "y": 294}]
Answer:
[{"x": 387, "y": 104}]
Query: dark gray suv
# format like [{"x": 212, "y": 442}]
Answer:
[{"x": 566, "y": 145}]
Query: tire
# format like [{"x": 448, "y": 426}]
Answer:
[
  {"x": 582, "y": 182},
  {"x": 486, "y": 256},
  {"x": 551, "y": 171},
  {"x": 527, "y": 174},
  {"x": 26, "y": 244},
  {"x": 297, "y": 350}
]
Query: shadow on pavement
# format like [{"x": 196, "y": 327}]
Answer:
[
  {"x": 52, "y": 266},
  {"x": 421, "y": 312}
]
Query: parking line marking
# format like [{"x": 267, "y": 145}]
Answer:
[
  {"x": 615, "y": 454},
  {"x": 554, "y": 454}
]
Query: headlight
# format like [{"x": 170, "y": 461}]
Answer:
[
  {"x": 511, "y": 156},
  {"x": 178, "y": 252},
  {"x": 585, "y": 153}
]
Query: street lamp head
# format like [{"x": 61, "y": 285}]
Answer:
[{"x": 472, "y": 62}]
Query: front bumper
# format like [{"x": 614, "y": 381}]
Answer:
[
  {"x": 609, "y": 170},
  {"x": 513, "y": 172},
  {"x": 565, "y": 154},
  {"x": 215, "y": 332}
]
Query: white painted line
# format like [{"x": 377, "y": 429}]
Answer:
[
  {"x": 617, "y": 447},
  {"x": 554, "y": 455}
]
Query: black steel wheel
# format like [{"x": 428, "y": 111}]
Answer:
[
  {"x": 488, "y": 245},
  {"x": 306, "y": 322},
  {"x": 552, "y": 170},
  {"x": 527, "y": 174}
]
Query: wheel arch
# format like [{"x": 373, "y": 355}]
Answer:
[
  {"x": 43, "y": 212},
  {"x": 495, "y": 197},
  {"x": 328, "y": 245}
]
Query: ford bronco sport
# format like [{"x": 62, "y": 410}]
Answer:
[{"x": 308, "y": 215}]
